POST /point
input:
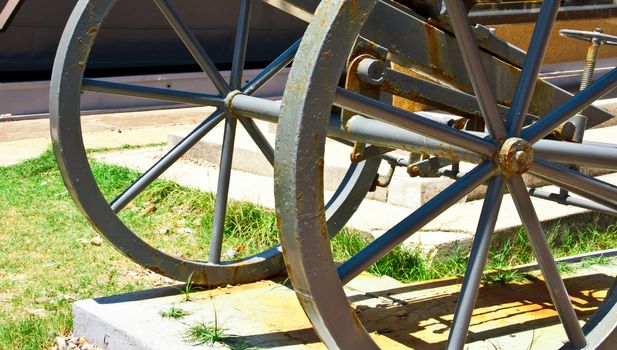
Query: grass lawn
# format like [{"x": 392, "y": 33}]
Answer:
[{"x": 47, "y": 259}]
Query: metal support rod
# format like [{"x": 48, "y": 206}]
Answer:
[
  {"x": 222, "y": 191},
  {"x": 166, "y": 161},
  {"x": 588, "y": 155},
  {"x": 415, "y": 221},
  {"x": 574, "y": 105},
  {"x": 239, "y": 56},
  {"x": 170, "y": 95},
  {"x": 229, "y": 136},
  {"x": 411, "y": 121},
  {"x": 272, "y": 69},
  {"x": 427, "y": 92},
  {"x": 193, "y": 45},
  {"x": 553, "y": 281},
  {"x": 531, "y": 67},
  {"x": 573, "y": 201},
  {"x": 585, "y": 186},
  {"x": 475, "y": 267},
  {"x": 471, "y": 56}
]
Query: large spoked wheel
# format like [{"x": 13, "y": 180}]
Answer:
[
  {"x": 502, "y": 155},
  {"x": 67, "y": 84}
]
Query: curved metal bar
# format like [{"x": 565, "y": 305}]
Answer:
[
  {"x": 475, "y": 267},
  {"x": 471, "y": 56},
  {"x": 132, "y": 90},
  {"x": 415, "y": 221},
  {"x": 531, "y": 67},
  {"x": 586, "y": 186},
  {"x": 553, "y": 281},
  {"x": 375, "y": 109},
  {"x": 193, "y": 45},
  {"x": 166, "y": 161},
  {"x": 567, "y": 110}
]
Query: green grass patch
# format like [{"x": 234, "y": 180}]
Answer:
[
  {"x": 174, "y": 312},
  {"x": 46, "y": 261},
  {"x": 205, "y": 333}
]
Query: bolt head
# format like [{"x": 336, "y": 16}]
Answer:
[{"x": 515, "y": 156}]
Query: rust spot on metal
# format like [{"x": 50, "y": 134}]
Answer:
[{"x": 432, "y": 42}]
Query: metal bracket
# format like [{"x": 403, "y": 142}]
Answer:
[{"x": 428, "y": 167}]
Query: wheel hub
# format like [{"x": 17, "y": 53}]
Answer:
[{"x": 515, "y": 156}]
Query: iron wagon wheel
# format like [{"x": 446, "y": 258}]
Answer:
[
  {"x": 67, "y": 84},
  {"x": 502, "y": 156}
]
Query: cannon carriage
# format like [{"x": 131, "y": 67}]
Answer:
[{"x": 360, "y": 74}]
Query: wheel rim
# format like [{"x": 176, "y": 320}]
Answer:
[
  {"x": 67, "y": 83},
  {"x": 310, "y": 93}
]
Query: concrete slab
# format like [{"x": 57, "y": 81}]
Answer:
[{"x": 266, "y": 314}]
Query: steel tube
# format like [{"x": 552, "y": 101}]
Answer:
[
  {"x": 588, "y": 155},
  {"x": 375, "y": 132},
  {"x": 229, "y": 136},
  {"x": 166, "y": 161},
  {"x": 569, "y": 200},
  {"x": 361, "y": 129},
  {"x": 412, "y": 223},
  {"x": 272, "y": 69},
  {"x": 571, "y": 180},
  {"x": 413, "y": 122},
  {"x": 239, "y": 56},
  {"x": 553, "y": 281},
  {"x": 132, "y": 90},
  {"x": 193, "y": 45},
  {"x": 533, "y": 61},
  {"x": 222, "y": 191},
  {"x": 574, "y": 105},
  {"x": 471, "y": 56},
  {"x": 475, "y": 267}
]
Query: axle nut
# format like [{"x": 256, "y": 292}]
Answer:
[{"x": 515, "y": 156}]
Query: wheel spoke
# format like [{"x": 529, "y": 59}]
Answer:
[
  {"x": 193, "y": 45},
  {"x": 378, "y": 110},
  {"x": 567, "y": 110},
  {"x": 475, "y": 267},
  {"x": 170, "y": 95},
  {"x": 272, "y": 69},
  {"x": 166, "y": 161},
  {"x": 576, "y": 182},
  {"x": 531, "y": 67},
  {"x": 473, "y": 63},
  {"x": 412, "y": 223},
  {"x": 555, "y": 285},
  {"x": 258, "y": 137},
  {"x": 242, "y": 34},
  {"x": 222, "y": 190}
]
